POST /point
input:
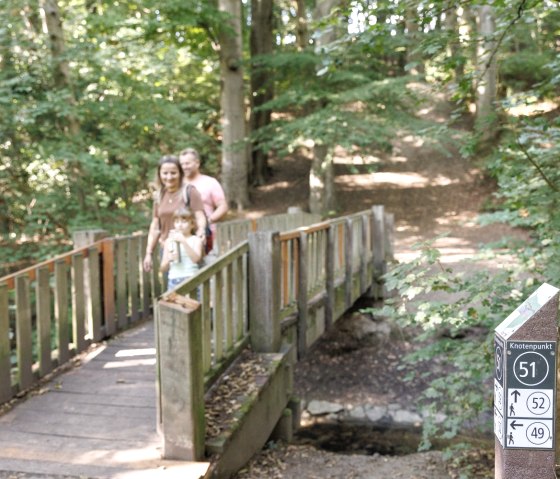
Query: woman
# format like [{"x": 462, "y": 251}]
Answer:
[{"x": 169, "y": 197}]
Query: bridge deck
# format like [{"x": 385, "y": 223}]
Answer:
[{"x": 96, "y": 421}]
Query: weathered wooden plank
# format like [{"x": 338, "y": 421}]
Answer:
[
  {"x": 239, "y": 298},
  {"x": 364, "y": 280},
  {"x": 330, "y": 277},
  {"x": 219, "y": 317},
  {"x": 23, "y": 333},
  {"x": 206, "y": 326},
  {"x": 181, "y": 383},
  {"x": 108, "y": 257},
  {"x": 264, "y": 291},
  {"x": 229, "y": 307},
  {"x": 302, "y": 295},
  {"x": 78, "y": 303},
  {"x": 122, "y": 300},
  {"x": 5, "y": 363},
  {"x": 133, "y": 272},
  {"x": 61, "y": 307},
  {"x": 94, "y": 296},
  {"x": 348, "y": 261},
  {"x": 146, "y": 290},
  {"x": 43, "y": 305}
]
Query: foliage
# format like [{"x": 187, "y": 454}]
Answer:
[{"x": 453, "y": 334}]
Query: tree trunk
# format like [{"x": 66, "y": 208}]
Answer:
[
  {"x": 234, "y": 153},
  {"x": 413, "y": 56},
  {"x": 302, "y": 29},
  {"x": 262, "y": 41},
  {"x": 487, "y": 75},
  {"x": 61, "y": 75},
  {"x": 321, "y": 176}
]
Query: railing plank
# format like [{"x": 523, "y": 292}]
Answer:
[
  {"x": 43, "y": 297},
  {"x": 78, "y": 302},
  {"x": 122, "y": 301},
  {"x": 95, "y": 295},
  {"x": 5, "y": 350},
  {"x": 229, "y": 307},
  {"x": 348, "y": 262},
  {"x": 239, "y": 299},
  {"x": 219, "y": 315},
  {"x": 302, "y": 297},
  {"x": 133, "y": 272},
  {"x": 109, "y": 286},
  {"x": 146, "y": 283},
  {"x": 61, "y": 310},
  {"x": 206, "y": 327},
  {"x": 24, "y": 341}
]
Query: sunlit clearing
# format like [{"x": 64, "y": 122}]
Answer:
[
  {"x": 533, "y": 109},
  {"x": 128, "y": 353}
]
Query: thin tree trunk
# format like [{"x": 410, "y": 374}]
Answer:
[
  {"x": 302, "y": 28},
  {"x": 262, "y": 41},
  {"x": 321, "y": 176},
  {"x": 234, "y": 153},
  {"x": 487, "y": 75}
]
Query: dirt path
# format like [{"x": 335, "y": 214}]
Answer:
[{"x": 431, "y": 190}]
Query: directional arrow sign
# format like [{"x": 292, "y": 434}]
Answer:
[
  {"x": 515, "y": 395},
  {"x": 515, "y": 425}
]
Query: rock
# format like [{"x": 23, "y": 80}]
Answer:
[
  {"x": 406, "y": 418},
  {"x": 358, "y": 413},
  {"x": 376, "y": 413},
  {"x": 318, "y": 408}
]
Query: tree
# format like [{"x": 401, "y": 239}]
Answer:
[
  {"x": 234, "y": 156},
  {"x": 487, "y": 73},
  {"x": 262, "y": 91}
]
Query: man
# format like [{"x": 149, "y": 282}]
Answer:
[{"x": 213, "y": 197}]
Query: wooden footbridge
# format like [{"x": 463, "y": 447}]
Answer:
[{"x": 91, "y": 386}]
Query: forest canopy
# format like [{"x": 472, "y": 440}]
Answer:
[{"x": 94, "y": 92}]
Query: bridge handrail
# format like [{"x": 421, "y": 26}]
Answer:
[
  {"x": 296, "y": 284},
  {"x": 50, "y": 312}
]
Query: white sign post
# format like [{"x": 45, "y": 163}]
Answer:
[{"x": 525, "y": 388}]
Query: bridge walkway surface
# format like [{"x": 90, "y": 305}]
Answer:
[{"x": 97, "y": 420}]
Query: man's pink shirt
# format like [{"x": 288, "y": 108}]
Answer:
[{"x": 211, "y": 192}]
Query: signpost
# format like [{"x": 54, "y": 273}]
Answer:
[{"x": 525, "y": 388}]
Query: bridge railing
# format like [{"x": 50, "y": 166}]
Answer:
[
  {"x": 276, "y": 291},
  {"x": 54, "y": 310}
]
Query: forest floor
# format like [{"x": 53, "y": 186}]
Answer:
[{"x": 431, "y": 190}]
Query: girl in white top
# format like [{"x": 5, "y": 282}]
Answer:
[{"x": 183, "y": 249}]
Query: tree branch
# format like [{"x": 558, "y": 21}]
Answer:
[{"x": 536, "y": 165}]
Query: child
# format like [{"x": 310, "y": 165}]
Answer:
[{"x": 183, "y": 249}]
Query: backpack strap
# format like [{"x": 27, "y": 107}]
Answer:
[{"x": 187, "y": 195}]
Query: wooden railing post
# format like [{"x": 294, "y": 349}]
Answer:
[
  {"x": 43, "y": 298},
  {"x": 5, "y": 363},
  {"x": 348, "y": 261},
  {"x": 108, "y": 256},
  {"x": 264, "y": 291},
  {"x": 82, "y": 239},
  {"x": 329, "y": 280},
  {"x": 378, "y": 243},
  {"x": 180, "y": 381},
  {"x": 302, "y": 295},
  {"x": 23, "y": 333}
]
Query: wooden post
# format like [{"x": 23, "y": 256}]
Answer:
[
  {"x": 378, "y": 243},
  {"x": 78, "y": 302},
  {"x": 61, "y": 310},
  {"x": 181, "y": 382},
  {"x": 329, "y": 270},
  {"x": 108, "y": 257},
  {"x": 94, "y": 319},
  {"x": 82, "y": 239},
  {"x": 23, "y": 333},
  {"x": 43, "y": 296},
  {"x": 264, "y": 291},
  {"x": 122, "y": 300},
  {"x": 364, "y": 280},
  {"x": 133, "y": 273},
  {"x": 348, "y": 262},
  {"x": 302, "y": 295},
  {"x": 5, "y": 363}
]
